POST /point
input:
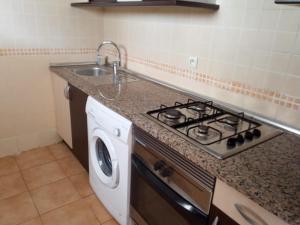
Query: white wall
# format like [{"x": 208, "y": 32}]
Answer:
[
  {"x": 34, "y": 33},
  {"x": 249, "y": 51}
]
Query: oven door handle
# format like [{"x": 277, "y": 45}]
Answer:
[{"x": 163, "y": 189}]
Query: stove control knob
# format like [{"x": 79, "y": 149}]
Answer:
[
  {"x": 240, "y": 139},
  {"x": 166, "y": 172},
  {"x": 231, "y": 142},
  {"x": 256, "y": 133},
  {"x": 248, "y": 136},
  {"x": 159, "y": 165}
]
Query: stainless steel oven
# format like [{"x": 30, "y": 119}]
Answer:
[{"x": 166, "y": 189}]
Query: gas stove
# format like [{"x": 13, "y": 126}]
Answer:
[{"x": 219, "y": 131}]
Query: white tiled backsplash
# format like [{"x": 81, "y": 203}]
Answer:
[
  {"x": 249, "y": 52},
  {"x": 34, "y": 33}
]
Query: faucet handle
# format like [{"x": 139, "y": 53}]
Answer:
[
  {"x": 100, "y": 60},
  {"x": 116, "y": 63}
]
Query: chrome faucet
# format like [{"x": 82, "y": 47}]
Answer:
[{"x": 116, "y": 64}]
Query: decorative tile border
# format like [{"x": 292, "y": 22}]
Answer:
[
  {"x": 282, "y": 99},
  {"x": 45, "y": 51}
]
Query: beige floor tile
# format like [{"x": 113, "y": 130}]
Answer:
[
  {"x": 35, "y": 221},
  {"x": 81, "y": 183},
  {"x": 35, "y": 157},
  {"x": 77, "y": 213},
  {"x": 100, "y": 211},
  {"x": 111, "y": 222},
  {"x": 71, "y": 166},
  {"x": 41, "y": 175},
  {"x": 60, "y": 151},
  {"x": 17, "y": 209},
  {"x": 11, "y": 185},
  {"x": 8, "y": 165},
  {"x": 54, "y": 195}
]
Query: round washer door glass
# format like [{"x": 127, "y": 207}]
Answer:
[{"x": 103, "y": 158}]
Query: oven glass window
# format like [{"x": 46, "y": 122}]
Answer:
[{"x": 103, "y": 158}]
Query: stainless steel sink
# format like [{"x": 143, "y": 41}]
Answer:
[
  {"x": 94, "y": 71},
  {"x": 104, "y": 72}
]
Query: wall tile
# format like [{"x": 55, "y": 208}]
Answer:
[
  {"x": 252, "y": 18},
  {"x": 264, "y": 39},
  {"x": 292, "y": 85},
  {"x": 245, "y": 56},
  {"x": 27, "y": 141},
  {"x": 289, "y": 20},
  {"x": 8, "y": 146},
  {"x": 269, "y": 4},
  {"x": 297, "y": 45},
  {"x": 294, "y": 65},
  {"x": 285, "y": 42},
  {"x": 269, "y": 19},
  {"x": 293, "y": 117},
  {"x": 27, "y": 113},
  {"x": 8, "y": 126},
  {"x": 48, "y": 137},
  {"x": 254, "y": 4},
  {"x": 279, "y": 62},
  {"x": 248, "y": 43}
]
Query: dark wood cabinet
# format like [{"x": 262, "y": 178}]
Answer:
[
  {"x": 223, "y": 219},
  {"x": 79, "y": 125}
]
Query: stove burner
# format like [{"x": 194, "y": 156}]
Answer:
[
  {"x": 231, "y": 120},
  {"x": 199, "y": 107},
  {"x": 172, "y": 114},
  {"x": 230, "y": 123},
  {"x": 202, "y": 131}
]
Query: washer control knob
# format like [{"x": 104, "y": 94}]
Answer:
[
  {"x": 166, "y": 172},
  {"x": 117, "y": 132},
  {"x": 159, "y": 165},
  {"x": 256, "y": 133}
]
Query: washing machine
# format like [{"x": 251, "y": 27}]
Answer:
[{"x": 110, "y": 143}]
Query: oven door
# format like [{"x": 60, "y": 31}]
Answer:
[{"x": 155, "y": 203}]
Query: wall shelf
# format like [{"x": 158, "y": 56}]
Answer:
[
  {"x": 287, "y": 1},
  {"x": 147, "y": 3}
]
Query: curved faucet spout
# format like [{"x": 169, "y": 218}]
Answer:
[{"x": 113, "y": 44}]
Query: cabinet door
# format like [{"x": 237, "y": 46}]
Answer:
[
  {"x": 79, "y": 125},
  {"x": 217, "y": 217},
  {"x": 240, "y": 208},
  {"x": 62, "y": 109}
]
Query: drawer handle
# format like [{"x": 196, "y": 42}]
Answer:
[
  {"x": 216, "y": 221},
  {"x": 67, "y": 91},
  {"x": 250, "y": 216}
]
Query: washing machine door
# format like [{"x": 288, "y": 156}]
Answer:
[{"x": 104, "y": 159}]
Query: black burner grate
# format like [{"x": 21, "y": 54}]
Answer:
[{"x": 210, "y": 116}]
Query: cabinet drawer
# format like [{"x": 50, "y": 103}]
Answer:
[{"x": 226, "y": 198}]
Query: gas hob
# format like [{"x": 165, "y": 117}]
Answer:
[{"x": 219, "y": 131}]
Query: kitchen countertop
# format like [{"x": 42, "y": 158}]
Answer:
[{"x": 268, "y": 173}]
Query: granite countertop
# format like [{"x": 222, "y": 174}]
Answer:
[{"x": 268, "y": 173}]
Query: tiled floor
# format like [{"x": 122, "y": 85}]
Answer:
[{"x": 48, "y": 186}]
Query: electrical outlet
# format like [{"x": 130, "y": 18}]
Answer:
[{"x": 193, "y": 62}]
